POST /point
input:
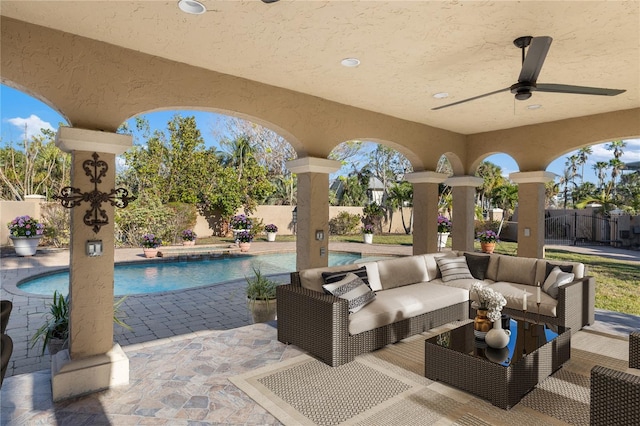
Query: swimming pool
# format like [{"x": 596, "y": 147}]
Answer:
[{"x": 179, "y": 275}]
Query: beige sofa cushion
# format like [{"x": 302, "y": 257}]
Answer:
[
  {"x": 402, "y": 271},
  {"x": 521, "y": 270},
  {"x": 514, "y": 293},
  {"x": 400, "y": 303},
  {"x": 465, "y": 283}
]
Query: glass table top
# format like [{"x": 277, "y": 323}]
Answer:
[{"x": 526, "y": 338}]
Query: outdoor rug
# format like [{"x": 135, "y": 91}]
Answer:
[{"x": 387, "y": 387}]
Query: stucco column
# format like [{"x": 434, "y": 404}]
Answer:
[
  {"x": 531, "y": 197},
  {"x": 464, "y": 203},
  {"x": 425, "y": 210},
  {"x": 313, "y": 210},
  {"x": 92, "y": 362}
]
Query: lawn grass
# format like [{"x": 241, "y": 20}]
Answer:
[{"x": 617, "y": 281}]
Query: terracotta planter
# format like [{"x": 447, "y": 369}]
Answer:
[
  {"x": 488, "y": 247},
  {"x": 262, "y": 310},
  {"x": 271, "y": 236},
  {"x": 150, "y": 252},
  {"x": 368, "y": 238},
  {"x": 25, "y": 246},
  {"x": 189, "y": 243},
  {"x": 244, "y": 247}
]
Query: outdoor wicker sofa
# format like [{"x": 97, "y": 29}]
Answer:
[
  {"x": 411, "y": 297},
  {"x": 615, "y": 395}
]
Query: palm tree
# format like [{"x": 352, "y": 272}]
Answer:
[
  {"x": 572, "y": 164},
  {"x": 601, "y": 170},
  {"x": 399, "y": 194},
  {"x": 506, "y": 197},
  {"x": 492, "y": 179},
  {"x": 616, "y": 164},
  {"x": 583, "y": 156},
  {"x": 565, "y": 180}
]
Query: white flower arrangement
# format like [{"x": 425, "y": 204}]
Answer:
[{"x": 490, "y": 300}]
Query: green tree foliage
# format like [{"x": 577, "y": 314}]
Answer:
[
  {"x": 491, "y": 175},
  {"x": 35, "y": 166},
  {"x": 401, "y": 194},
  {"x": 344, "y": 223},
  {"x": 373, "y": 215},
  {"x": 506, "y": 197}
]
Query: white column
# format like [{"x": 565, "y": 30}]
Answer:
[
  {"x": 464, "y": 191},
  {"x": 92, "y": 362},
  {"x": 531, "y": 198},
  {"x": 425, "y": 210},
  {"x": 313, "y": 210}
]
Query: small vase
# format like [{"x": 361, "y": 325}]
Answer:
[
  {"x": 481, "y": 324},
  {"x": 189, "y": 243},
  {"x": 488, "y": 247},
  {"x": 442, "y": 239},
  {"x": 497, "y": 337},
  {"x": 244, "y": 247},
  {"x": 150, "y": 252},
  {"x": 271, "y": 236},
  {"x": 368, "y": 238},
  {"x": 26, "y": 246}
]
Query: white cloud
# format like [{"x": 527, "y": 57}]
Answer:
[{"x": 33, "y": 125}]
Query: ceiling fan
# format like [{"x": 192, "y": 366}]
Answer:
[{"x": 531, "y": 66}]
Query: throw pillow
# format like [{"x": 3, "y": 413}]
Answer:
[
  {"x": 353, "y": 289},
  {"x": 563, "y": 268},
  {"x": 478, "y": 265},
  {"x": 333, "y": 277},
  {"x": 556, "y": 279},
  {"x": 453, "y": 268}
]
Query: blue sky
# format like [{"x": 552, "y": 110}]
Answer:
[{"x": 19, "y": 109}]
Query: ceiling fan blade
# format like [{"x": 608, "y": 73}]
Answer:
[
  {"x": 536, "y": 55},
  {"x": 577, "y": 90},
  {"x": 471, "y": 99}
]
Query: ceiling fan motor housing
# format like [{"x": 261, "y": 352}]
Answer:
[{"x": 522, "y": 90}]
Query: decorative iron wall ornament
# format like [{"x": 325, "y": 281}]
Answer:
[{"x": 95, "y": 216}]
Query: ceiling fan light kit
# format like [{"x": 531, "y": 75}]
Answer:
[{"x": 532, "y": 61}]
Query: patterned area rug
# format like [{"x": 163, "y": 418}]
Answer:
[{"x": 387, "y": 387}]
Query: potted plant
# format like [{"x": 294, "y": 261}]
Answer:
[
  {"x": 488, "y": 239},
  {"x": 244, "y": 239},
  {"x": 25, "y": 233},
  {"x": 188, "y": 237},
  {"x": 150, "y": 244},
  {"x": 55, "y": 330},
  {"x": 271, "y": 231},
  {"x": 367, "y": 234},
  {"x": 444, "y": 229},
  {"x": 261, "y": 297}
]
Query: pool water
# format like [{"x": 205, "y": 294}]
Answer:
[{"x": 180, "y": 275}]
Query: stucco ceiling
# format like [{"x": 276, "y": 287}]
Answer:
[{"x": 409, "y": 51}]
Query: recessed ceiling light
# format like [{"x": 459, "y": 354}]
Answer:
[
  {"x": 193, "y": 7},
  {"x": 350, "y": 62},
  {"x": 534, "y": 106},
  {"x": 441, "y": 95}
]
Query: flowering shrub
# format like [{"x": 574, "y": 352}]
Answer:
[
  {"x": 367, "y": 229},
  {"x": 241, "y": 221},
  {"x": 444, "y": 224},
  {"x": 25, "y": 226},
  {"x": 151, "y": 241},
  {"x": 490, "y": 300},
  {"x": 244, "y": 237},
  {"x": 487, "y": 236},
  {"x": 188, "y": 235},
  {"x": 271, "y": 228}
]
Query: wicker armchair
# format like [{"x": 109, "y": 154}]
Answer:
[{"x": 615, "y": 395}]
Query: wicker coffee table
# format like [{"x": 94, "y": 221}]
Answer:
[{"x": 502, "y": 376}]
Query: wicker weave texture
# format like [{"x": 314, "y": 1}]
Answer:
[
  {"x": 615, "y": 397},
  {"x": 634, "y": 350},
  {"x": 503, "y": 386},
  {"x": 318, "y": 323}
]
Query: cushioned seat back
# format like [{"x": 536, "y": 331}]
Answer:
[
  {"x": 521, "y": 270},
  {"x": 402, "y": 271},
  {"x": 312, "y": 278},
  {"x": 432, "y": 267},
  {"x": 545, "y": 266}
]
